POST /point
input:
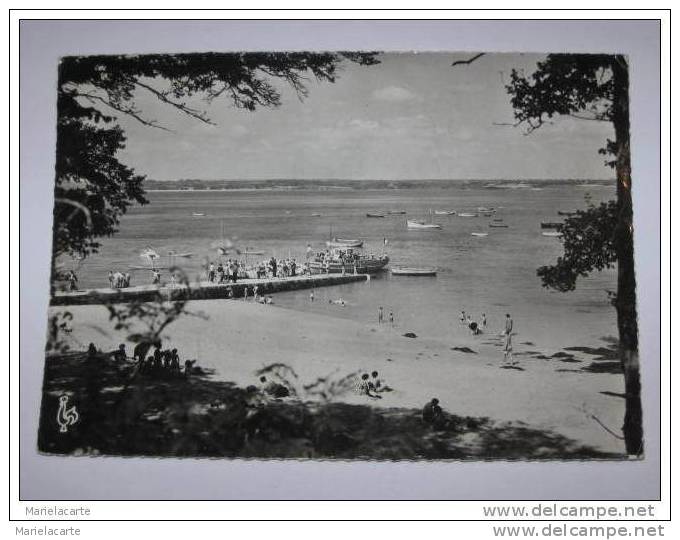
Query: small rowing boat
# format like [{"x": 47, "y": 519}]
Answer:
[
  {"x": 344, "y": 243},
  {"x": 198, "y": 214},
  {"x": 375, "y": 215},
  {"x": 394, "y": 212},
  {"x": 444, "y": 212},
  {"x": 480, "y": 234},
  {"x": 498, "y": 225},
  {"x": 412, "y": 224},
  {"x": 467, "y": 214},
  {"x": 413, "y": 271},
  {"x": 554, "y": 234}
]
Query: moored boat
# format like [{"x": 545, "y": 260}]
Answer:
[
  {"x": 421, "y": 225},
  {"x": 445, "y": 212},
  {"x": 375, "y": 215},
  {"x": 555, "y": 234},
  {"x": 413, "y": 271},
  {"x": 394, "y": 212},
  {"x": 497, "y": 225},
  {"x": 344, "y": 242},
  {"x": 344, "y": 259},
  {"x": 479, "y": 234},
  {"x": 467, "y": 214}
]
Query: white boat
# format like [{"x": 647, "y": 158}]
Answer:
[
  {"x": 480, "y": 234},
  {"x": 553, "y": 234},
  {"x": 467, "y": 214},
  {"x": 421, "y": 225},
  {"x": 344, "y": 242},
  {"x": 198, "y": 214},
  {"x": 413, "y": 271},
  {"x": 445, "y": 212},
  {"x": 316, "y": 215}
]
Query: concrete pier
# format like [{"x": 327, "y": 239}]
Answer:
[{"x": 204, "y": 290}]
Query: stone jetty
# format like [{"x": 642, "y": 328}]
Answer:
[{"x": 204, "y": 290}]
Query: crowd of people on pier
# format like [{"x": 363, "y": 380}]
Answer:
[{"x": 233, "y": 270}]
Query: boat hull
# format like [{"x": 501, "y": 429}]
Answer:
[
  {"x": 413, "y": 271},
  {"x": 340, "y": 243},
  {"x": 365, "y": 266},
  {"x": 414, "y": 225}
]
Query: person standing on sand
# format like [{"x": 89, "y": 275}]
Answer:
[
  {"x": 311, "y": 296},
  {"x": 507, "y": 348},
  {"x": 111, "y": 279},
  {"x": 380, "y": 315},
  {"x": 391, "y": 319},
  {"x": 483, "y": 320},
  {"x": 72, "y": 280},
  {"x": 462, "y": 316}
]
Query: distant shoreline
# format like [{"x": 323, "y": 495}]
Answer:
[{"x": 361, "y": 185}]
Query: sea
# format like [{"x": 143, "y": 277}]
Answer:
[{"x": 491, "y": 275}]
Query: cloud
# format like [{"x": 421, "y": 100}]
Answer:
[{"x": 393, "y": 94}]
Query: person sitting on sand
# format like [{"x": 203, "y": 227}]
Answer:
[
  {"x": 156, "y": 278},
  {"x": 174, "y": 360},
  {"x": 474, "y": 328},
  {"x": 378, "y": 384},
  {"x": 188, "y": 367},
  {"x": 91, "y": 351},
  {"x": 146, "y": 367},
  {"x": 431, "y": 410},
  {"x": 274, "y": 389},
  {"x": 366, "y": 388},
  {"x": 120, "y": 355}
]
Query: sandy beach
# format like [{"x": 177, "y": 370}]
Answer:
[{"x": 549, "y": 392}]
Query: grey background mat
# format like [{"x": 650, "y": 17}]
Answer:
[{"x": 48, "y": 477}]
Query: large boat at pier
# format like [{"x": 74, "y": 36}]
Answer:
[{"x": 347, "y": 260}]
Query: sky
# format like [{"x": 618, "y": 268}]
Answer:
[{"x": 413, "y": 116}]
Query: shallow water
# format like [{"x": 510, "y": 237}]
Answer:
[{"x": 495, "y": 274}]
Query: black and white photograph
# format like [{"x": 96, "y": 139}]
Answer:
[{"x": 343, "y": 255}]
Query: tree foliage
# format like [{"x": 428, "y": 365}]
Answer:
[
  {"x": 588, "y": 240},
  {"x": 576, "y": 85},
  {"x": 93, "y": 189},
  {"x": 581, "y": 86}
]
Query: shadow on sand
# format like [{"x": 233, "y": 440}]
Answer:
[{"x": 126, "y": 413}]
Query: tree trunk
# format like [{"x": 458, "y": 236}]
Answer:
[{"x": 626, "y": 310}]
